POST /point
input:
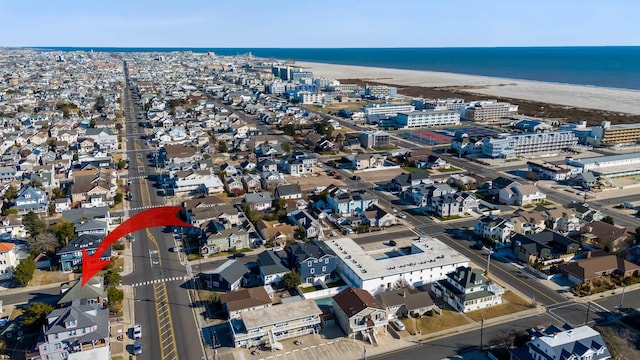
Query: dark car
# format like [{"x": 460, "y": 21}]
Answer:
[
  {"x": 392, "y": 243},
  {"x": 356, "y": 177},
  {"x": 137, "y": 348},
  {"x": 239, "y": 255}
]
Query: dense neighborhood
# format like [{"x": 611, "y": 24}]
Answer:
[{"x": 316, "y": 206}]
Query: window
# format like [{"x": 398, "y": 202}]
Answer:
[
  {"x": 309, "y": 263},
  {"x": 312, "y": 270}
]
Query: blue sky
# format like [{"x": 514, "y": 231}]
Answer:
[{"x": 319, "y": 23}]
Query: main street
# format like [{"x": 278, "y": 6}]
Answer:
[{"x": 162, "y": 304}]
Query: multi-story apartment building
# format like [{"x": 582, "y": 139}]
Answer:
[
  {"x": 427, "y": 260},
  {"x": 511, "y": 146},
  {"x": 487, "y": 110},
  {"x": 427, "y": 118},
  {"x": 387, "y": 109},
  {"x": 309, "y": 97},
  {"x": 438, "y": 104},
  {"x": 279, "y": 322},
  {"x": 380, "y": 91},
  {"x": 607, "y": 134}
]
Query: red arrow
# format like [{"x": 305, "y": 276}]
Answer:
[{"x": 160, "y": 216}]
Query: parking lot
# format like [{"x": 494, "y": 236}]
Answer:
[{"x": 333, "y": 349}]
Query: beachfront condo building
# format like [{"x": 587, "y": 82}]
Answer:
[
  {"x": 487, "y": 110},
  {"x": 620, "y": 134},
  {"x": 511, "y": 146},
  {"x": 427, "y": 118},
  {"x": 438, "y": 104},
  {"x": 387, "y": 109},
  {"x": 380, "y": 91}
]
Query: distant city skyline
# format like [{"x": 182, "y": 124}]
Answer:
[{"x": 324, "y": 24}]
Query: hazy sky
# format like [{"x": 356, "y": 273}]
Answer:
[{"x": 319, "y": 23}]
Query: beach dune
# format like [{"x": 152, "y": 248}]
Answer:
[{"x": 590, "y": 97}]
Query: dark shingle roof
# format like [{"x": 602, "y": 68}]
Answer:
[
  {"x": 270, "y": 263},
  {"x": 354, "y": 300}
]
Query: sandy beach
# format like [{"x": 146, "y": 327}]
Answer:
[{"x": 590, "y": 97}]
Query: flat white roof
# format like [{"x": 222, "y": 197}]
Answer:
[
  {"x": 425, "y": 254},
  {"x": 569, "y": 336},
  {"x": 603, "y": 160},
  {"x": 280, "y": 313}
]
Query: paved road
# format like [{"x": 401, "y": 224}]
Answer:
[
  {"x": 48, "y": 295},
  {"x": 163, "y": 308}
]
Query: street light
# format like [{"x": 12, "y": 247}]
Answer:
[
  {"x": 481, "y": 330},
  {"x": 364, "y": 351}
]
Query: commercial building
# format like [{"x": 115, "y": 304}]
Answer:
[
  {"x": 427, "y": 118},
  {"x": 510, "y": 146},
  {"x": 611, "y": 166},
  {"x": 426, "y": 261},
  {"x": 620, "y": 134},
  {"x": 487, "y": 110}
]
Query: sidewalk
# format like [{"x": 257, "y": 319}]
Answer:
[{"x": 119, "y": 336}]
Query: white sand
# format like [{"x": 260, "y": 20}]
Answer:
[{"x": 616, "y": 100}]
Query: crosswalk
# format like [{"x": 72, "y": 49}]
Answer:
[
  {"x": 157, "y": 281},
  {"x": 144, "y": 207},
  {"x": 137, "y": 177}
]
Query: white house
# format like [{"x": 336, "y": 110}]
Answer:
[
  {"x": 496, "y": 228},
  {"x": 521, "y": 195},
  {"x": 8, "y": 260},
  {"x": 467, "y": 289}
]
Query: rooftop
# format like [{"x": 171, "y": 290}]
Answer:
[{"x": 280, "y": 313}]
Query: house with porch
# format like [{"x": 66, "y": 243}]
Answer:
[
  {"x": 240, "y": 301},
  {"x": 271, "y": 269},
  {"x": 70, "y": 255},
  {"x": 406, "y": 301},
  {"x": 313, "y": 260},
  {"x": 359, "y": 314},
  {"x": 497, "y": 229},
  {"x": 31, "y": 199},
  {"x": 467, "y": 289}
]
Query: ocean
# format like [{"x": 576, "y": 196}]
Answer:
[{"x": 609, "y": 66}]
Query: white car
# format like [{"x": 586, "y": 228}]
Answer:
[
  {"x": 401, "y": 215},
  {"x": 137, "y": 331},
  {"x": 398, "y": 325}
]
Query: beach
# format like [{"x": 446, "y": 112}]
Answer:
[{"x": 588, "y": 97}]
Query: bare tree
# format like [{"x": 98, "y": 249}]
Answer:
[
  {"x": 401, "y": 283},
  {"x": 44, "y": 242}
]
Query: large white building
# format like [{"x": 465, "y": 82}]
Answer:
[
  {"x": 510, "y": 146},
  {"x": 631, "y": 160},
  {"x": 8, "y": 260},
  {"x": 438, "y": 104},
  {"x": 387, "y": 109},
  {"x": 427, "y": 118},
  {"x": 376, "y": 271},
  {"x": 487, "y": 110}
]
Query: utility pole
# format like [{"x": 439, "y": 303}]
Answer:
[
  {"x": 586, "y": 320},
  {"x": 481, "y": 331},
  {"x": 489, "y": 260},
  {"x": 622, "y": 298},
  {"x": 364, "y": 351}
]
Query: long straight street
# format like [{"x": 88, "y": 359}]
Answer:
[{"x": 161, "y": 300}]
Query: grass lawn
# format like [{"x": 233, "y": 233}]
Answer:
[
  {"x": 336, "y": 283},
  {"x": 511, "y": 303},
  {"x": 42, "y": 277},
  {"x": 194, "y": 257},
  {"x": 312, "y": 288},
  {"x": 450, "y": 169},
  {"x": 446, "y": 218},
  {"x": 430, "y": 324}
]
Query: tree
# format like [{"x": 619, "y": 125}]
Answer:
[
  {"x": 112, "y": 277},
  {"x": 608, "y": 219},
  {"x": 291, "y": 280},
  {"x": 11, "y": 194},
  {"x": 64, "y": 231},
  {"x": 43, "y": 243},
  {"x": 222, "y": 146},
  {"x": 117, "y": 199},
  {"x": 51, "y": 209},
  {"x": 35, "y": 315},
  {"x": 286, "y": 147},
  {"x": 33, "y": 224},
  {"x": 301, "y": 233},
  {"x": 75, "y": 156},
  {"x": 58, "y": 193},
  {"x": 114, "y": 295},
  {"x": 122, "y": 164},
  {"x": 401, "y": 283},
  {"x": 24, "y": 271},
  {"x": 36, "y": 183},
  {"x": 521, "y": 338}
]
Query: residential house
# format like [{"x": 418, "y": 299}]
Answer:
[
  {"x": 226, "y": 277},
  {"x": 92, "y": 226},
  {"x": 544, "y": 245},
  {"x": 78, "y": 331},
  {"x": 346, "y": 202},
  {"x": 270, "y": 180},
  {"x": 259, "y": 201},
  {"x": 298, "y": 164},
  {"x": 424, "y": 195},
  {"x": 311, "y": 226},
  {"x": 275, "y": 232},
  {"x": 377, "y": 217},
  {"x": 104, "y": 138},
  {"x": 603, "y": 235},
  {"x": 287, "y": 192},
  {"x": 358, "y": 313},
  {"x": 79, "y": 215},
  {"x": 31, "y": 199},
  {"x": 521, "y": 195},
  {"x": 217, "y": 238},
  {"x": 497, "y": 229},
  {"x": 586, "y": 180},
  {"x": 467, "y": 289},
  {"x": 584, "y": 212},
  {"x": 279, "y": 322},
  {"x": 406, "y": 301},
  {"x": 240, "y": 301},
  {"x": 7, "y": 174},
  {"x": 271, "y": 269},
  {"x": 93, "y": 292},
  {"x": 455, "y": 204},
  {"x": 582, "y": 343},
  {"x": 180, "y": 154},
  {"x": 562, "y": 220},
  {"x": 598, "y": 265},
  {"x": 8, "y": 260},
  {"x": 233, "y": 185},
  {"x": 197, "y": 181},
  {"x": 528, "y": 222},
  {"x": 225, "y": 215},
  {"x": 432, "y": 162},
  {"x": 405, "y": 181},
  {"x": 313, "y": 260},
  {"x": 268, "y": 165},
  {"x": 367, "y": 161},
  {"x": 70, "y": 255},
  {"x": 252, "y": 182}
]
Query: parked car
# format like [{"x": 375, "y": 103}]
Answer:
[
  {"x": 392, "y": 243},
  {"x": 398, "y": 325},
  {"x": 137, "y": 331},
  {"x": 356, "y": 177},
  {"x": 137, "y": 348},
  {"x": 401, "y": 215}
]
